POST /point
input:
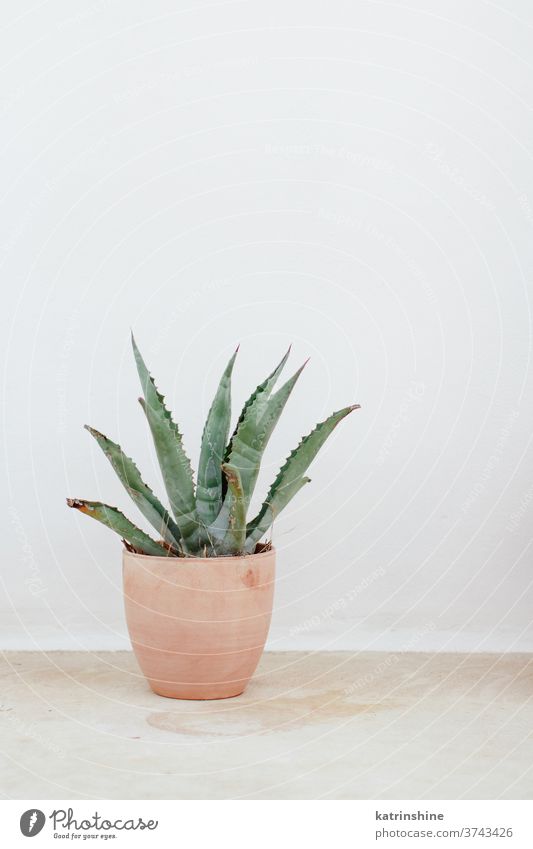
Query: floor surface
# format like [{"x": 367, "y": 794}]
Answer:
[{"x": 333, "y": 725}]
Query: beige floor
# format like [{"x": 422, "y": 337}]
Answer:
[{"x": 328, "y": 725}]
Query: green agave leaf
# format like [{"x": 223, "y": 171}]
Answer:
[
  {"x": 256, "y": 426},
  {"x": 117, "y": 521},
  {"x": 214, "y": 440},
  {"x": 234, "y": 539},
  {"x": 142, "y": 495},
  {"x": 291, "y": 473},
  {"x": 165, "y": 526},
  {"x": 264, "y": 388},
  {"x": 216, "y": 532},
  {"x": 173, "y": 461},
  {"x": 274, "y": 408},
  {"x": 175, "y": 470},
  {"x": 280, "y": 499}
]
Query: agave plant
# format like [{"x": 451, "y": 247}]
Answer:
[{"x": 209, "y": 519}]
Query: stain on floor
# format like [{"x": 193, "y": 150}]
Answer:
[{"x": 284, "y": 713}]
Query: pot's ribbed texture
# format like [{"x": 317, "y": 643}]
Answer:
[{"x": 198, "y": 626}]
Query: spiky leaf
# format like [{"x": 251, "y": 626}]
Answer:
[
  {"x": 290, "y": 477},
  {"x": 173, "y": 461},
  {"x": 214, "y": 440},
  {"x": 279, "y": 501},
  {"x": 141, "y": 494},
  {"x": 234, "y": 539},
  {"x": 175, "y": 470},
  {"x": 274, "y": 408},
  {"x": 217, "y": 530},
  {"x": 264, "y": 388},
  {"x": 117, "y": 521},
  {"x": 255, "y": 430}
]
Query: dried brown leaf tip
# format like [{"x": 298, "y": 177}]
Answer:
[{"x": 78, "y": 505}]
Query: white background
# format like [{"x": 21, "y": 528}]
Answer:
[{"x": 354, "y": 177}]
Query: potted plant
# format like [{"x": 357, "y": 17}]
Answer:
[{"x": 199, "y": 599}]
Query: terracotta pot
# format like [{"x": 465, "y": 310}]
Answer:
[{"x": 198, "y": 626}]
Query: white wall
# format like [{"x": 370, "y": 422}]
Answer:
[{"x": 354, "y": 177}]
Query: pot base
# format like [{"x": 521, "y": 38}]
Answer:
[{"x": 195, "y": 692}]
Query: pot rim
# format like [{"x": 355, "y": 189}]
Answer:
[{"x": 187, "y": 561}]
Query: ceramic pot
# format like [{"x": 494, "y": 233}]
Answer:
[{"x": 198, "y": 625}]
